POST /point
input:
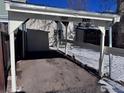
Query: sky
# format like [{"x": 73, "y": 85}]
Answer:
[{"x": 90, "y": 5}]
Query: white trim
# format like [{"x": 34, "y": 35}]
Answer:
[
  {"x": 43, "y": 10},
  {"x": 102, "y": 46},
  {"x": 14, "y": 21},
  {"x": 12, "y": 58}
]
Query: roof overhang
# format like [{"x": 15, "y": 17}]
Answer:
[
  {"x": 18, "y": 13},
  {"x": 57, "y": 13}
]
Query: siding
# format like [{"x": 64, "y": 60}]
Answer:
[{"x": 2, "y": 8}]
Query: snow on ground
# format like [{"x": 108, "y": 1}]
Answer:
[
  {"x": 90, "y": 58},
  {"x": 111, "y": 86},
  {"x": 118, "y": 68}
]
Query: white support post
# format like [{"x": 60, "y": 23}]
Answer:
[
  {"x": 102, "y": 43},
  {"x": 110, "y": 37},
  {"x": 57, "y": 35},
  {"x": 66, "y": 39},
  {"x": 12, "y": 59},
  {"x": 66, "y": 27},
  {"x": 110, "y": 46},
  {"x": 14, "y": 22},
  {"x": 57, "y": 40}
]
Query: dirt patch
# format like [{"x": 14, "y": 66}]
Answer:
[{"x": 54, "y": 75}]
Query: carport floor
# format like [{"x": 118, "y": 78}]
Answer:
[{"x": 54, "y": 75}]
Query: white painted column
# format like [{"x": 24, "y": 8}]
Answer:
[
  {"x": 57, "y": 35},
  {"x": 102, "y": 43},
  {"x": 14, "y": 22},
  {"x": 110, "y": 46},
  {"x": 110, "y": 37},
  {"x": 66, "y": 39},
  {"x": 66, "y": 29},
  {"x": 12, "y": 59}
]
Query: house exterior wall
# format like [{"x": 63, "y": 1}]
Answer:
[
  {"x": 2, "y": 8},
  {"x": 3, "y": 12}
]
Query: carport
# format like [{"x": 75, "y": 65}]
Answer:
[{"x": 18, "y": 13}]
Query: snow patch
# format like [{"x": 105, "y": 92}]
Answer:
[
  {"x": 111, "y": 86},
  {"x": 90, "y": 58}
]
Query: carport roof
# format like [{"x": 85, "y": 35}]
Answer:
[{"x": 57, "y": 12}]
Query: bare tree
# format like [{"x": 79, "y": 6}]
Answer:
[{"x": 120, "y": 5}]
